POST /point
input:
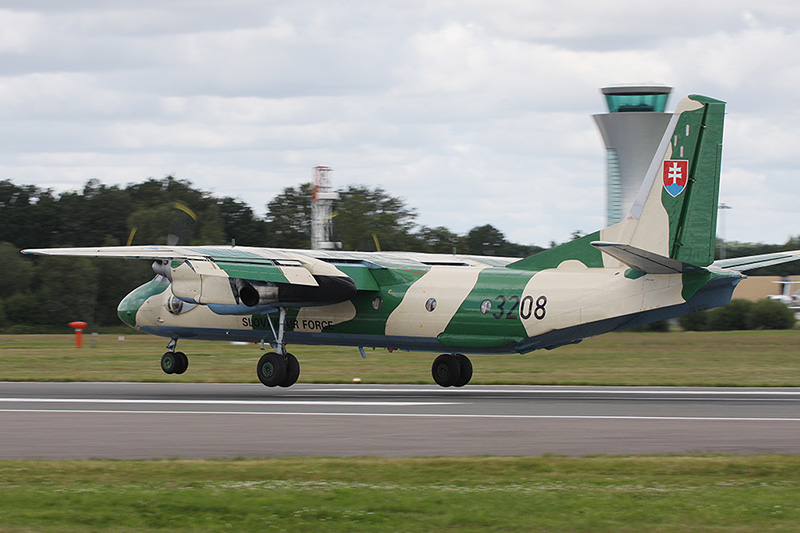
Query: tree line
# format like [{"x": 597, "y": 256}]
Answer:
[{"x": 41, "y": 292}]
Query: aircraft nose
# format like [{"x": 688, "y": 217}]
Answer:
[{"x": 130, "y": 305}]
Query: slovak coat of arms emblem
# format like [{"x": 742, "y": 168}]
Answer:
[{"x": 676, "y": 174}]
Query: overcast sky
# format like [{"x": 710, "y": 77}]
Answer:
[{"x": 474, "y": 112}]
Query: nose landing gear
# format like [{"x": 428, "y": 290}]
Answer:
[{"x": 174, "y": 362}]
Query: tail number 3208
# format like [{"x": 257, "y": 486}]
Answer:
[{"x": 526, "y": 307}]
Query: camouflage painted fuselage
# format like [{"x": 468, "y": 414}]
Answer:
[{"x": 465, "y": 309}]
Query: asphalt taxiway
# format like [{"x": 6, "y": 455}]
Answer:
[{"x": 154, "y": 420}]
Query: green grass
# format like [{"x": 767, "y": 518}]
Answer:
[
  {"x": 551, "y": 493},
  {"x": 741, "y": 358}
]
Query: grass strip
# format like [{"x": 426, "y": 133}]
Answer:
[
  {"x": 739, "y": 358},
  {"x": 550, "y": 493}
]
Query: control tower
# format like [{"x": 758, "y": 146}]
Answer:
[{"x": 631, "y": 130}]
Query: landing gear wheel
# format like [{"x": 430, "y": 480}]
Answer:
[
  {"x": 466, "y": 371},
  {"x": 182, "y": 363},
  {"x": 292, "y": 370},
  {"x": 169, "y": 362},
  {"x": 446, "y": 370},
  {"x": 271, "y": 369}
]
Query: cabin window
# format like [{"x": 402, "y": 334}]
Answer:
[
  {"x": 174, "y": 305},
  {"x": 430, "y": 305}
]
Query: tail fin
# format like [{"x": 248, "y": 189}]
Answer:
[{"x": 675, "y": 213}]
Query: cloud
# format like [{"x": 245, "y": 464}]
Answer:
[{"x": 474, "y": 113}]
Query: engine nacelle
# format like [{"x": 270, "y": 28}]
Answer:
[
  {"x": 204, "y": 282},
  {"x": 252, "y": 294},
  {"x": 329, "y": 290}
]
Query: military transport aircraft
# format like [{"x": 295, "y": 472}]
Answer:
[{"x": 654, "y": 265}]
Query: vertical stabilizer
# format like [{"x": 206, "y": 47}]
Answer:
[
  {"x": 693, "y": 220},
  {"x": 675, "y": 212}
]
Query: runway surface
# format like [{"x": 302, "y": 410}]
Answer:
[{"x": 152, "y": 420}]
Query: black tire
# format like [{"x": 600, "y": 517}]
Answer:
[
  {"x": 466, "y": 371},
  {"x": 271, "y": 369},
  {"x": 446, "y": 369},
  {"x": 169, "y": 363},
  {"x": 292, "y": 370},
  {"x": 183, "y": 363}
]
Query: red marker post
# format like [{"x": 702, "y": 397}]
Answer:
[{"x": 78, "y": 327}]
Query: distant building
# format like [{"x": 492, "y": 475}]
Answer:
[
  {"x": 756, "y": 288},
  {"x": 631, "y": 130}
]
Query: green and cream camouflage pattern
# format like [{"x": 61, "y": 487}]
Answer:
[{"x": 656, "y": 264}]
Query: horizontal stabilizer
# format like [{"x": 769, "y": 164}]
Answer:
[
  {"x": 642, "y": 260},
  {"x": 751, "y": 262}
]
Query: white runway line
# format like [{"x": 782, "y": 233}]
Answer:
[
  {"x": 578, "y": 391},
  {"x": 410, "y": 415},
  {"x": 340, "y": 403}
]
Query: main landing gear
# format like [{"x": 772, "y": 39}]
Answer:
[
  {"x": 174, "y": 362},
  {"x": 276, "y": 370},
  {"x": 452, "y": 370},
  {"x": 279, "y": 369}
]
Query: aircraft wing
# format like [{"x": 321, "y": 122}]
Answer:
[
  {"x": 125, "y": 252},
  {"x": 751, "y": 262},
  {"x": 248, "y": 263},
  {"x": 299, "y": 267}
]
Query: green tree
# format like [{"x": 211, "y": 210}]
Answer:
[
  {"x": 439, "y": 240},
  {"x": 364, "y": 214},
  {"x": 170, "y": 189},
  {"x": 69, "y": 288},
  {"x": 488, "y": 240},
  {"x": 21, "y": 220},
  {"x": 210, "y": 226},
  {"x": 661, "y": 326},
  {"x": 156, "y": 224},
  {"x": 770, "y": 314},
  {"x": 730, "y": 317},
  {"x": 240, "y": 223},
  {"x": 288, "y": 219},
  {"x": 92, "y": 216},
  {"x": 24, "y": 308},
  {"x": 16, "y": 271},
  {"x": 695, "y": 321}
]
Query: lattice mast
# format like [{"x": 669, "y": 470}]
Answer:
[{"x": 322, "y": 211}]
